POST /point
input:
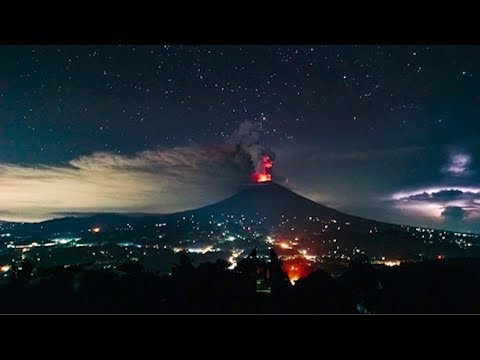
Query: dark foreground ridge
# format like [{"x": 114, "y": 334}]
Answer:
[{"x": 255, "y": 286}]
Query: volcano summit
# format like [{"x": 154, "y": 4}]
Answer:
[{"x": 271, "y": 201}]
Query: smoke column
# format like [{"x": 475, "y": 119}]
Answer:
[{"x": 248, "y": 139}]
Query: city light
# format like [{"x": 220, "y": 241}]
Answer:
[
  {"x": 233, "y": 258},
  {"x": 392, "y": 263},
  {"x": 202, "y": 250},
  {"x": 284, "y": 246}
]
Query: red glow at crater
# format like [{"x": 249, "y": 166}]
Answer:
[{"x": 264, "y": 174}]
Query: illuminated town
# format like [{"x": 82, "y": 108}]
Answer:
[{"x": 303, "y": 244}]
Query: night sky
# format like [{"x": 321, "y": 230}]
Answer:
[{"x": 383, "y": 132}]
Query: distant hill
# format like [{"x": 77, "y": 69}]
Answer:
[{"x": 74, "y": 224}]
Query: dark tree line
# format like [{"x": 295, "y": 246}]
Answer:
[{"x": 254, "y": 286}]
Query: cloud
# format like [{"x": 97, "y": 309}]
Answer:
[
  {"x": 458, "y": 164},
  {"x": 160, "y": 181},
  {"x": 150, "y": 181},
  {"x": 448, "y": 204},
  {"x": 454, "y": 213},
  {"x": 442, "y": 196}
]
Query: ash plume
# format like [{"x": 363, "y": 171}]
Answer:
[
  {"x": 149, "y": 181},
  {"x": 248, "y": 139}
]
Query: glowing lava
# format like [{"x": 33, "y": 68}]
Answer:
[
  {"x": 264, "y": 174},
  {"x": 263, "y": 177}
]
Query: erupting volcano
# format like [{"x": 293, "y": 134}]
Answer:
[
  {"x": 251, "y": 152},
  {"x": 264, "y": 174}
]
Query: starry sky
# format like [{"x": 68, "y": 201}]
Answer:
[{"x": 384, "y": 132}]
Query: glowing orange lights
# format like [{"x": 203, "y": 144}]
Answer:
[
  {"x": 284, "y": 246},
  {"x": 264, "y": 174},
  {"x": 296, "y": 268},
  {"x": 391, "y": 263},
  {"x": 5, "y": 268},
  {"x": 263, "y": 177},
  {"x": 96, "y": 230},
  {"x": 293, "y": 279}
]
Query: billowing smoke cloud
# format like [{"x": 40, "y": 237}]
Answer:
[
  {"x": 454, "y": 214},
  {"x": 160, "y": 181},
  {"x": 248, "y": 140}
]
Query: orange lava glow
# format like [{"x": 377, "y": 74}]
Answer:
[
  {"x": 263, "y": 177},
  {"x": 296, "y": 269},
  {"x": 265, "y": 174}
]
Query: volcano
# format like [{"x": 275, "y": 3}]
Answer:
[
  {"x": 270, "y": 208},
  {"x": 267, "y": 200},
  {"x": 273, "y": 202},
  {"x": 261, "y": 209}
]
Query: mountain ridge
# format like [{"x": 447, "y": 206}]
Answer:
[{"x": 262, "y": 199}]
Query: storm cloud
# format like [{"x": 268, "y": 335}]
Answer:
[
  {"x": 442, "y": 196},
  {"x": 458, "y": 164},
  {"x": 453, "y": 207},
  {"x": 454, "y": 214}
]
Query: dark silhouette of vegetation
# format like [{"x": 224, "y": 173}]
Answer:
[
  {"x": 131, "y": 267},
  {"x": 254, "y": 286},
  {"x": 22, "y": 273}
]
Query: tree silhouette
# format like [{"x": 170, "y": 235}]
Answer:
[
  {"x": 361, "y": 279},
  {"x": 185, "y": 264},
  {"x": 277, "y": 277},
  {"x": 131, "y": 267},
  {"x": 249, "y": 265},
  {"x": 22, "y": 274}
]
